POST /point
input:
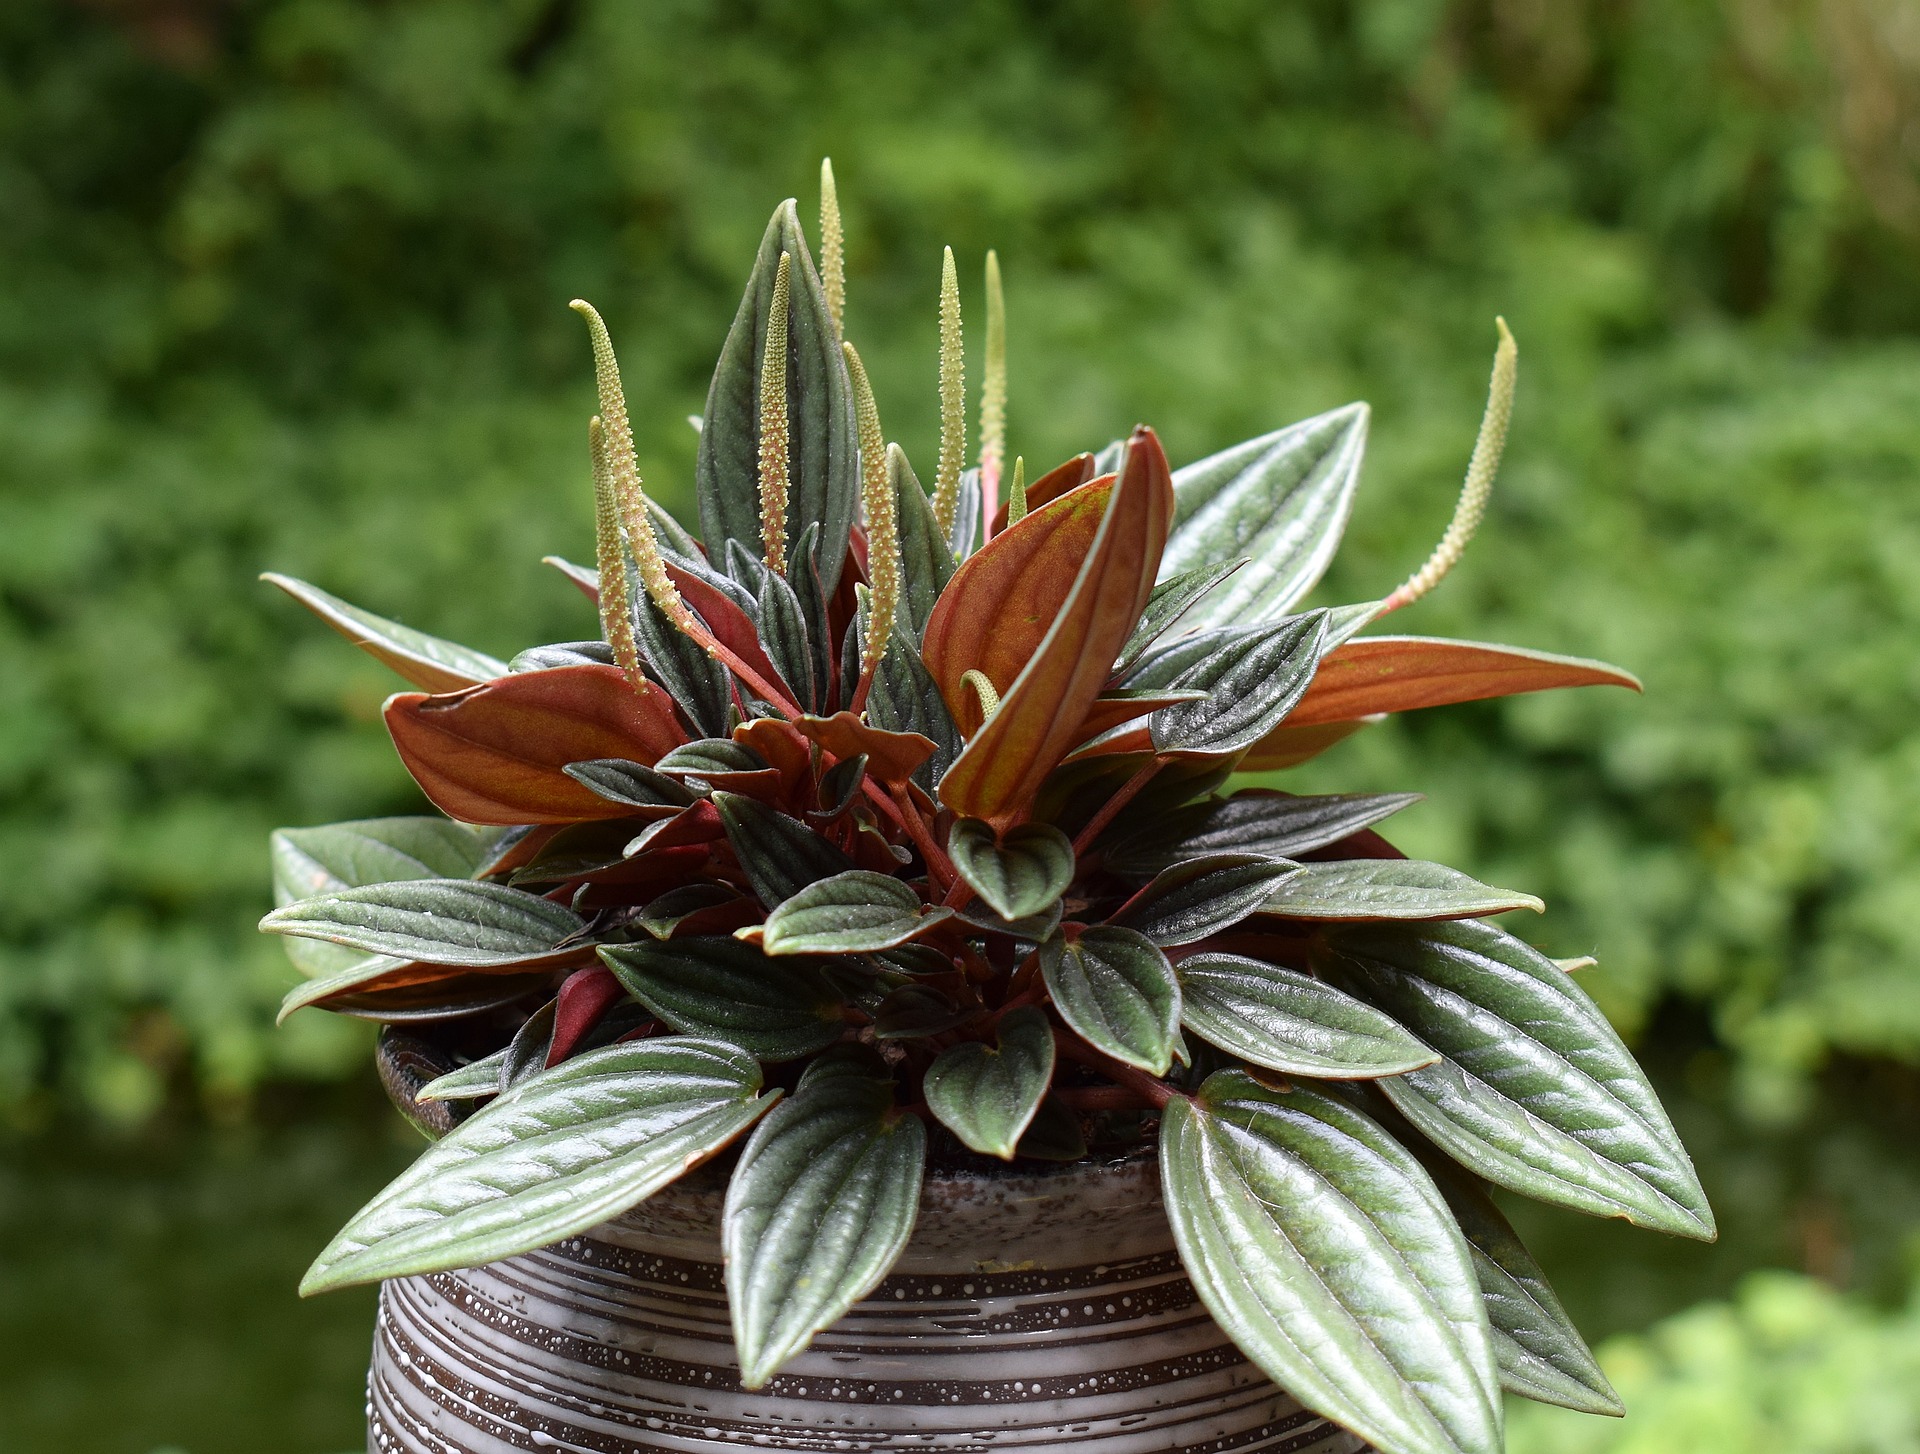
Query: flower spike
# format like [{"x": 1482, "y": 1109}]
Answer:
[
  {"x": 993, "y": 395},
  {"x": 623, "y": 472},
  {"x": 883, "y": 534},
  {"x": 1481, "y": 469},
  {"x": 774, "y": 442},
  {"x": 833, "y": 248},
  {"x": 616, "y": 608},
  {"x": 953, "y": 399},
  {"x": 1017, "y": 495}
]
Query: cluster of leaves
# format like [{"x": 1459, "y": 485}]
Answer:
[
  {"x": 877, "y": 818},
  {"x": 268, "y": 303}
]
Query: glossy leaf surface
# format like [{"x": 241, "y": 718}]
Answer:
[
  {"x": 1250, "y": 681},
  {"x": 1540, "y": 1353},
  {"x": 1008, "y": 759},
  {"x": 780, "y": 855},
  {"x": 926, "y": 560},
  {"x": 1322, "y": 1248},
  {"x": 1279, "y": 825},
  {"x": 987, "y": 1095},
  {"x": 823, "y": 459},
  {"x": 1289, "y": 746},
  {"x": 434, "y": 921},
  {"x": 1400, "y": 673},
  {"x": 428, "y": 662},
  {"x": 1202, "y": 896},
  {"x": 1291, "y": 1022},
  {"x": 1171, "y": 600},
  {"x": 1280, "y": 502},
  {"x": 1020, "y": 873},
  {"x": 474, "y": 1081},
  {"x": 821, "y": 1205},
  {"x": 631, "y": 784},
  {"x": 563, "y": 1152},
  {"x": 731, "y": 991},
  {"x": 498, "y": 753},
  {"x": 1535, "y": 1091},
  {"x": 1117, "y": 991},
  {"x": 855, "y": 912},
  {"x": 1389, "y": 888},
  {"x": 892, "y": 757}
]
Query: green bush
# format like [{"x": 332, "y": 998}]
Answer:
[
  {"x": 287, "y": 290},
  {"x": 1788, "y": 1366}
]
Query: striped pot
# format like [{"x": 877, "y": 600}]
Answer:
[{"x": 1034, "y": 1310}]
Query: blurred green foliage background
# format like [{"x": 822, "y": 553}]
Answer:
[{"x": 283, "y": 285}]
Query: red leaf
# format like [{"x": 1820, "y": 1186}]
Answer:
[
  {"x": 1398, "y": 673},
  {"x": 1040, "y": 713},
  {"x": 494, "y": 753},
  {"x": 585, "y": 577},
  {"x": 1051, "y": 486},
  {"x": 998, "y": 607},
  {"x": 586, "y": 995},
  {"x": 780, "y": 745},
  {"x": 891, "y": 756}
]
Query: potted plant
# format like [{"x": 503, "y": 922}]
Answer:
[{"x": 854, "y": 1007}]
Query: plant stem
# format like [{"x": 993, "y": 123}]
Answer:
[
  {"x": 1097, "y": 825},
  {"x": 1157, "y": 1092},
  {"x": 938, "y": 864}
]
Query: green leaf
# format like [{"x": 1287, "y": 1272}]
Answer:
[
  {"x": 988, "y": 1095},
  {"x": 661, "y": 915},
  {"x": 428, "y": 662},
  {"x": 394, "y": 991},
  {"x": 926, "y": 560},
  {"x": 1115, "y": 989},
  {"x": 779, "y": 855},
  {"x": 470, "y": 1082},
  {"x": 434, "y": 921},
  {"x": 823, "y": 459},
  {"x": 1321, "y": 1247},
  {"x": 1535, "y": 1091},
  {"x": 707, "y": 985},
  {"x": 855, "y": 912},
  {"x": 1291, "y": 1022},
  {"x": 1280, "y": 501},
  {"x": 1540, "y": 1353},
  {"x": 699, "y": 685},
  {"x": 1186, "y": 903},
  {"x": 580, "y": 849},
  {"x": 781, "y": 622},
  {"x": 905, "y": 698},
  {"x": 914, "y": 1011},
  {"x": 819, "y": 1209},
  {"x": 1389, "y": 888},
  {"x": 720, "y": 762},
  {"x": 1171, "y": 600},
  {"x": 309, "y": 862},
  {"x": 562, "y": 1152},
  {"x": 1279, "y": 825},
  {"x": 1252, "y": 679},
  {"x": 632, "y": 784},
  {"x": 1021, "y": 873},
  {"x": 1054, "y": 1133}
]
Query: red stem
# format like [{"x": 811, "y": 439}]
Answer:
[
  {"x": 1073, "y": 1048},
  {"x": 1111, "y": 809},
  {"x": 938, "y": 864}
]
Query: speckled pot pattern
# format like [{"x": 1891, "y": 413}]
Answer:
[{"x": 1039, "y": 1311}]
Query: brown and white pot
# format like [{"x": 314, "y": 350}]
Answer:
[{"x": 1042, "y": 1310}]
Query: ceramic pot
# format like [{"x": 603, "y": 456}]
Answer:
[{"x": 1036, "y": 1309}]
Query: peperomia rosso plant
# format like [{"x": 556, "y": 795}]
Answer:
[{"x": 880, "y": 824}]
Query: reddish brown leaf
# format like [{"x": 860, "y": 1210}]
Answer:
[
  {"x": 998, "y": 607},
  {"x": 780, "y": 745},
  {"x": 891, "y": 756},
  {"x": 729, "y": 624},
  {"x": 1051, "y": 486},
  {"x": 1008, "y": 759},
  {"x": 1399, "y": 673},
  {"x": 585, "y": 577},
  {"x": 1289, "y": 746},
  {"x": 586, "y": 995},
  {"x": 494, "y": 754},
  {"x": 697, "y": 824}
]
